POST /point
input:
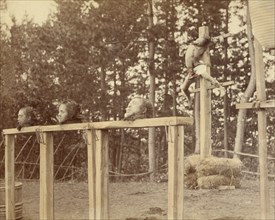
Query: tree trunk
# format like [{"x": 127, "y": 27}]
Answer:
[
  {"x": 103, "y": 94},
  {"x": 248, "y": 92},
  {"x": 225, "y": 98},
  {"x": 151, "y": 135},
  {"x": 115, "y": 95}
]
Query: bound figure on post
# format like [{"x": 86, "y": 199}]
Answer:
[{"x": 196, "y": 67}]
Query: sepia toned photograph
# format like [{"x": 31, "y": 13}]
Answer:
[{"x": 137, "y": 109}]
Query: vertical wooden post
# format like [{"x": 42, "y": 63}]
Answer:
[
  {"x": 205, "y": 104},
  {"x": 9, "y": 177},
  {"x": 261, "y": 95},
  {"x": 102, "y": 175},
  {"x": 175, "y": 172},
  {"x": 180, "y": 173},
  {"x": 91, "y": 146},
  {"x": 172, "y": 170},
  {"x": 46, "y": 176},
  {"x": 197, "y": 118}
]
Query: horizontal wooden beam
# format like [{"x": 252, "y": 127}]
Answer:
[
  {"x": 256, "y": 173},
  {"x": 139, "y": 123},
  {"x": 224, "y": 84},
  {"x": 256, "y": 105},
  {"x": 240, "y": 153}
]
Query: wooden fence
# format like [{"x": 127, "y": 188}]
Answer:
[{"x": 96, "y": 135}]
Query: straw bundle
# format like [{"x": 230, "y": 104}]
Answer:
[
  {"x": 190, "y": 163},
  {"x": 211, "y": 172},
  {"x": 190, "y": 181},
  {"x": 214, "y": 181},
  {"x": 219, "y": 166}
]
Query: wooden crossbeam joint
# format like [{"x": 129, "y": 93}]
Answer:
[
  {"x": 39, "y": 136},
  {"x": 224, "y": 84},
  {"x": 256, "y": 105}
]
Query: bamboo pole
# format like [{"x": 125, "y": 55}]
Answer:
[{"x": 244, "y": 154}]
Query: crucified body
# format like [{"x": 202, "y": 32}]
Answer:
[{"x": 195, "y": 66}]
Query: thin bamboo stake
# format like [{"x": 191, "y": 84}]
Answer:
[
  {"x": 23, "y": 147},
  {"x": 36, "y": 162},
  {"x": 257, "y": 173},
  {"x": 59, "y": 144},
  {"x": 244, "y": 154},
  {"x": 69, "y": 166},
  {"x": 64, "y": 161},
  {"x": 27, "y": 157}
]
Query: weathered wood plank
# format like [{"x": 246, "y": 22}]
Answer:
[
  {"x": 261, "y": 94},
  {"x": 105, "y": 176},
  {"x": 9, "y": 177},
  {"x": 205, "y": 104},
  {"x": 102, "y": 178},
  {"x": 180, "y": 173},
  {"x": 172, "y": 172},
  {"x": 91, "y": 146},
  {"x": 46, "y": 177},
  {"x": 256, "y": 105},
  {"x": 175, "y": 172},
  {"x": 139, "y": 123}
]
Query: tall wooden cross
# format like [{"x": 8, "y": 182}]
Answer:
[{"x": 205, "y": 102}]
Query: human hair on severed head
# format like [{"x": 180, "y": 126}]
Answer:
[
  {"x": 69, "y": 112},
  {"x": 138, "y": 108},
  {"x": 26, "y": 117}
]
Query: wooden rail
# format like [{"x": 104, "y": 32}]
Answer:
[
  {"x": 256, "y": 105},
  {"x": 97, "y": 150}
]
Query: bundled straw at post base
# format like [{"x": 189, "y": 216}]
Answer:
[
  {"x": 190, "y": 181},
  {"x": 219, "y": 166},
  {"x": 214, "y": 181},
  {"x": 190, "y": 163}
]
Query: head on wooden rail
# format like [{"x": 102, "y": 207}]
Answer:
[
  {"x": 26, "y": 117},
  {"x": 68, "y": 112},
  {"x": 138, "y": 108}
]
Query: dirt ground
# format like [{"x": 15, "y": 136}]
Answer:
[{"x": 136, "y": 200}]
